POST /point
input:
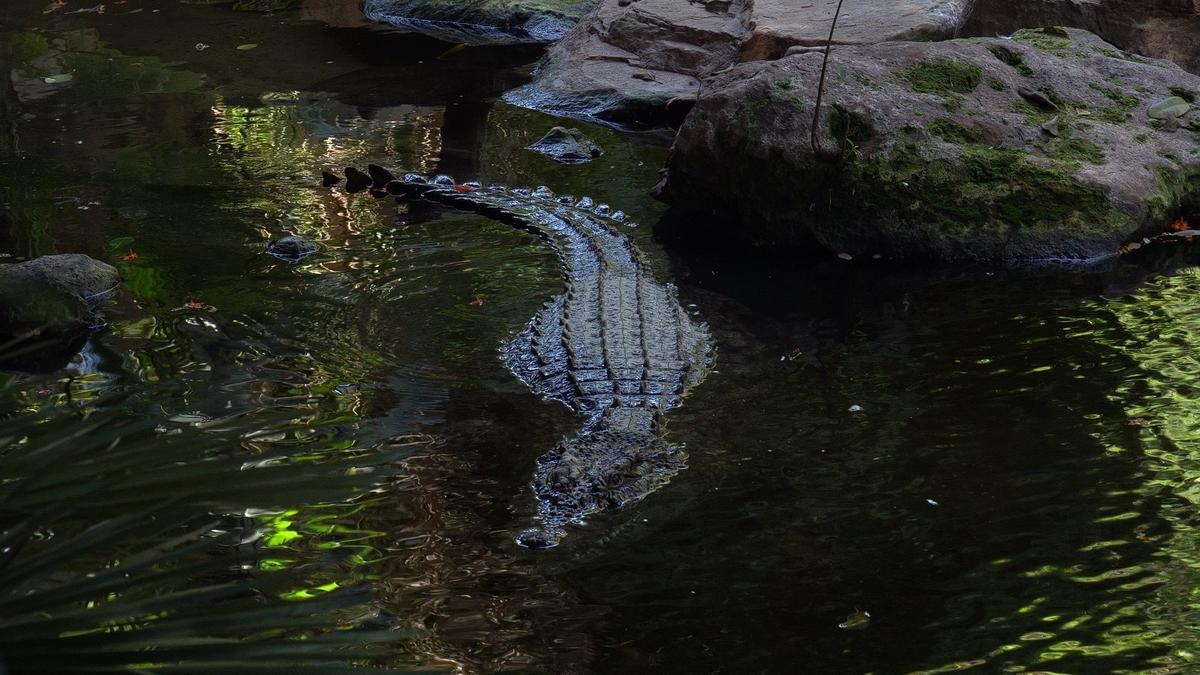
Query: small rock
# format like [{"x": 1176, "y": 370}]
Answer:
[
  {"x": 855, "y": 408},
  {"x": 1052, "y": 127},
  {"x": 1171, "y": 108},
  {"x": 292, "y": 248},
  {"x": 1037, "y": 98},
  {"x": 567, "y": 146}
]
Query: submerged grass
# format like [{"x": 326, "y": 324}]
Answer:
[{"x": 121, "y": 550}]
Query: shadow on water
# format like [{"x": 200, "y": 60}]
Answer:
[{"x": 995, "y": 465}]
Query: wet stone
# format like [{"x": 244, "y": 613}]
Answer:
[
  {"x": 567, "y": 146},
  {"x": 291, "y": 248}
]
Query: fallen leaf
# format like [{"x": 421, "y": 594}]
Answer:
[
  {"x": 1179, "y": 225},
  {"x": 463, "y": 188},
  {"x": 136, "y": 64},
  {"x": 132, "y": 255},
  {"x": 478, "y": 301},
  {"x": 856, "y": 620},
  {"x": 56, "y": 79},
  {"x": 247, "y": 47},
  {"x": 196, "y": 304},
  {"x": 1139, "y": 422}
]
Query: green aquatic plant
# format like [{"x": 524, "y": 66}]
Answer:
[{"x": 122, "y": 550}]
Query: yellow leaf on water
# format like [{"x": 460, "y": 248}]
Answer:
[
  {"x": 856, "y": 620},
  {"x": 247, "y": 47}
]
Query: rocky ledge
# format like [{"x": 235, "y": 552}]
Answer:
[
  {"x": 639, "y": 63},
  {"x": 481, "y": 21},
  {"x": 1053, "y": 143}
]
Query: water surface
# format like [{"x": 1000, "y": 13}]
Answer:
[{"x": 999, "y": 467}]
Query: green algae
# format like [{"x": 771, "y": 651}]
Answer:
[{"x": 996, "y": 84}]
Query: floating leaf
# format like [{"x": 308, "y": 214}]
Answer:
[
  {"x": 856, "y": 620},
  {"x": 56, "y": 79},
  {"x": 1171, "y": 108},
  {"x": 247, "y": 47}
]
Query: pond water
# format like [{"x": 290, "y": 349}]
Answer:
[{"x": 892, "y": 470}]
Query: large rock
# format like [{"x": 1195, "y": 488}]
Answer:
[
  {"x": 1165, "y": 29},
  {"x": 481, "y": 21},
  {"x": 73, "y": 274},
  {"x": 777, "y": 25},
  {"x": 632, "y": 62},
  {"x": 626, "y": 62},
  {"x": 46, "y": 308},
  {"x": 1038, "y": 146}
]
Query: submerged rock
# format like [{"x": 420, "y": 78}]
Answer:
[
  {"x": 928, "y": 149},
  {"x": 46, "y": 308},
  {"x": 638, "y": 63},
  {"x": 73, "y": 274},
  {"x": 481, "y": 21},
  {"x": 292, "y": 248},
  {"x": 568, "y": 146}
]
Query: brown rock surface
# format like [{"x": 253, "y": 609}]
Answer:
[
  {"x": 628, "y": 61},
  {"x": 779, "y": 24}
]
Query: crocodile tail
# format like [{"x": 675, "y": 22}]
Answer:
[{"x": 593, "y": 472}]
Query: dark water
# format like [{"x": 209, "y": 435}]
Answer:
[{"x": 1014, "y": 490}]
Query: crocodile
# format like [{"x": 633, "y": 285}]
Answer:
[{"x": 615, "y": 346}]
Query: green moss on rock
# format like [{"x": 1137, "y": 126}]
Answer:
[
  {"x": 1123, "y": 100},
  {"x": 1013, "y": 59},
  {"x": 952, "y": 132},
  {"x": 1183, "y": 93},
  {"x": 1073, "y": 151},
  {"x": 988, "y": 189},
  {"x": 944, "y": 77},
  {"x": 1053, "y": 40}
]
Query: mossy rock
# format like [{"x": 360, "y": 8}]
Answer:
[{"x": 928, "y": 164}]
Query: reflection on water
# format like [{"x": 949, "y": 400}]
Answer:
[{"x": 997, "y": 466}]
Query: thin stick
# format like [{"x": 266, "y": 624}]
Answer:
[{"x": 816, "y": 145}]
